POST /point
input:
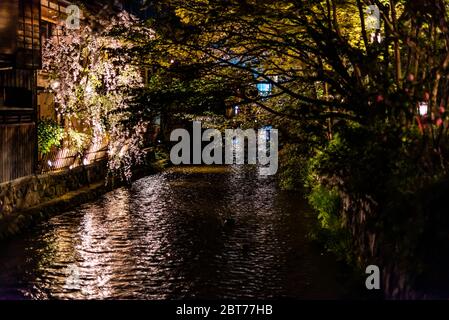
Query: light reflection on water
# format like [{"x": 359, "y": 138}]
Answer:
[{"x": 166, "y": 237}]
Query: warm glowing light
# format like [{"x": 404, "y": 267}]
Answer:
[
  {"x": 423, "y": 108},
  {"x": 85, "y": 162},
  {"x": 50, "y": 164},
  {"x": 55, "y": 84},
  {"x": 89, "y": 89}
]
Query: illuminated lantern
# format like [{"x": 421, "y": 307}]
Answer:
[
  {"x": 264, "y": 88},
  {"x": 423, "y": 108}
]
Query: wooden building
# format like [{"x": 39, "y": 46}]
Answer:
[
  {"x": 20, "y": 57},
  {"x": 24, "y": 27}
]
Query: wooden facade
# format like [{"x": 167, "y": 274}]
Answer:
[
  {"x": 17, "y": 151},
  {"x": 24, "y": 25},
  {"x": 20, "y": 57}
]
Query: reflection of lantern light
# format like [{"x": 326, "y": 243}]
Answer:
[
  {"x": 55, "y": 84},
  {"x": 423, "y": 108}
]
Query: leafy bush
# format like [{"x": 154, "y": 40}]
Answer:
[
  {"x": 327, "y": 204},
  {"x": 391, "y": 166},
  {"x": 77, "y": 141},
  {"x": 331, "y": 232},
  {"x": 293, "y": 167},
  {"x": 49, "y": 135}
]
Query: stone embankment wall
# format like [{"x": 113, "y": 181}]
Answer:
[{"x": 19, "y": 197}]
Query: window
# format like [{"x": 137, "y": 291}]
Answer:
[
  {"x": 47, "y": 30},
  {"x": 15, "y": 89},
  {"x": 17, "y": 97}
]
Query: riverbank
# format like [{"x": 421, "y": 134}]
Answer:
[
  {"x": 19, "y": 221},
  {"x": 22, "y": 200},
  {"x": 25, "y": 201}
]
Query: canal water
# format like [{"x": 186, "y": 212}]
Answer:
[{"x": 197, "y": 232}]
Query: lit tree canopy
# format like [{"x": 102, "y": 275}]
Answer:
[
  {"x": 316, "y": 41},
  {"x": 327, "y": 62}
]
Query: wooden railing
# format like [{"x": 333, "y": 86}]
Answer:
[{"x": 65, "y": 158}]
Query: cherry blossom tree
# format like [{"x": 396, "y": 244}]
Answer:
[{"x": 95, "y": 80}]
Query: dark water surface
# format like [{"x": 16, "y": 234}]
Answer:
[{"x": 166, "y": 237}]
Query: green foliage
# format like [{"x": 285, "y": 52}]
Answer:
[
  {"x": 327, "y": 204},
  {"x": 77, "y": 141},
  {"x": 293, "y": 168},
  {"x": 49, "y": 135}
]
